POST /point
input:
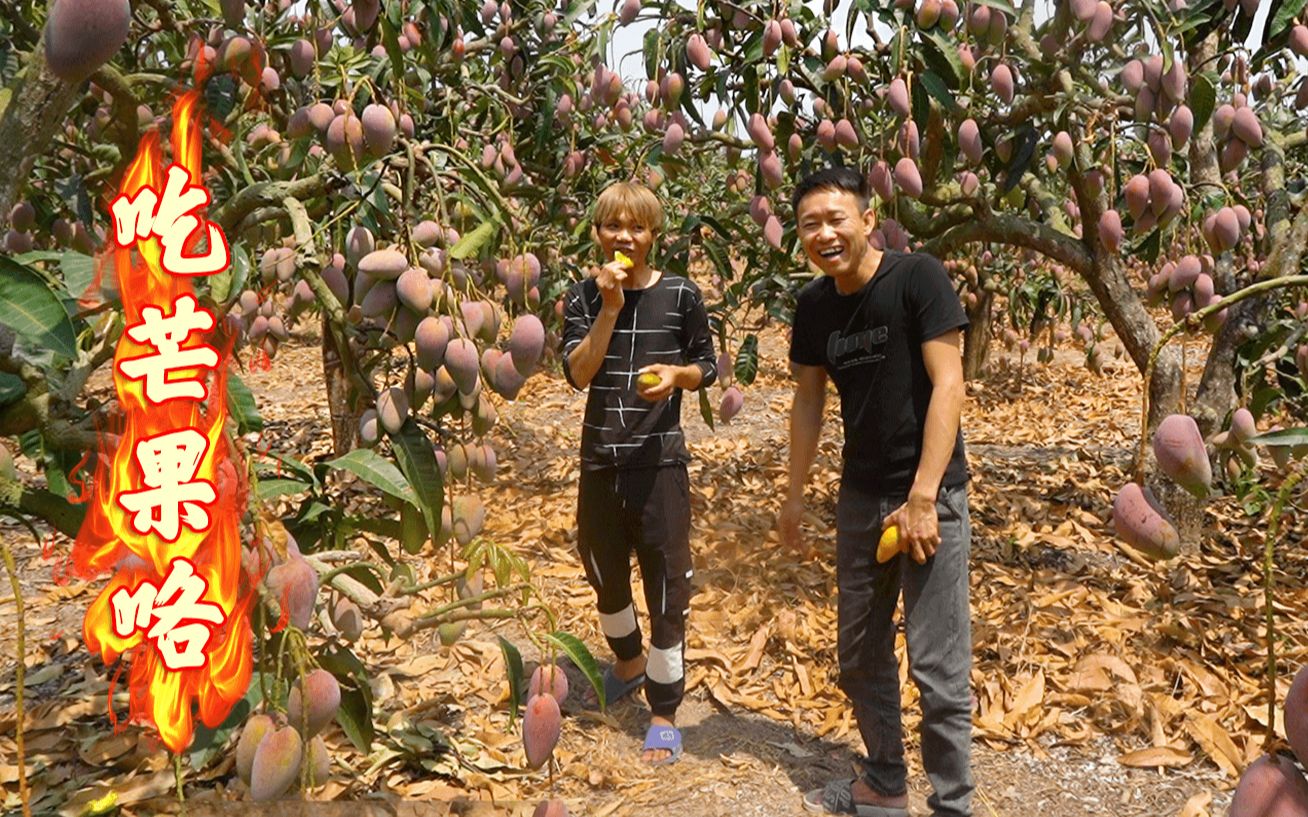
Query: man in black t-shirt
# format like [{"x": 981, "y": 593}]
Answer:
[
  {"x": 636, "y": 338},
  {"x": 884, "y": 327}
]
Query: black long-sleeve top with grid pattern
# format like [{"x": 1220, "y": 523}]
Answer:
[{"x": 663, "y": 323}]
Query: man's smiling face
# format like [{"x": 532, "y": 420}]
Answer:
[{"x": 834, "y": 231}]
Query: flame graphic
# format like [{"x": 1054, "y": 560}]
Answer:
[{"x": 107, "y": 540}]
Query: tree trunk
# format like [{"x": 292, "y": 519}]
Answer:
[
  {"x": 976, "y": 339},
  {"x": 1215, "y": 395},
  {"x": 341, "y": 405},
  {"x": 28, "y": 124}
]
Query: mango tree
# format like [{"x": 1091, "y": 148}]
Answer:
[{"x": 1142, "y": 146}]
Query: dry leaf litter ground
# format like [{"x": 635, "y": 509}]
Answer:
[{"x": 1104, "y": 685}]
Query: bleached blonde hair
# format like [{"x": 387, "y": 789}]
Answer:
[{"x": 636, "y": 200}]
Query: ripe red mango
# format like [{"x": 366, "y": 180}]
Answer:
[
  {"x": 1110, "y": 231},
  {"x": 276, "y": 764},
  {"x": 82, "y": 35},
  {"x": 897, "y": 96},
  {"x": 846, "y": 135},
  {"x": 541, "y": 725},
  {"x": 1296, "y": 714},
  {"x": 252, "y": 734},
  {"x": 758, "y": 130},
  {"x": 769, "y": 165},
  {"x": 1185, "y": 273},
  {"x": 461, "y": 361},
  {"x": 347, "y": 618},
  {"x": 1181, "y": 454},
  {"x": 1270, "y": 787},
  {"x": 697, "y": 51},
  {"x": 527, "y": 343},
  {"x": 732, "y": 401},
  {"x": 880, "y": 179},
  {"x": 1063, "y": 148},
  {"x": 1246, "y": 127},
  {"x": 1142, "y": 523},
  {"x": 673, "y": 138},
  {"x": 773, "y": 34},
  {"x": 323, "y": 692},
  {"x": 1101, "y": 23},
  {"x": 969, "y": 140},
  {"x": 1001, "y": 82},
  {"x": 468, "y": 517},
  {"x": 772, "y": 231},
  {"x": 548, "y": 679},
  {"x": 908, "y": 178},
  {"x": 294, "y": 584}
]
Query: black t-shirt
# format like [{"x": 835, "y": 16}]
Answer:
[
  {"x": 663, "y": 323},
  {"x": 870, "y": 343}
]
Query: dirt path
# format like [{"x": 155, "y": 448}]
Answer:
[{"x": 1044, "y": 456}]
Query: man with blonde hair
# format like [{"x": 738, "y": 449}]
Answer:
[{"x": 636, "y": 338}]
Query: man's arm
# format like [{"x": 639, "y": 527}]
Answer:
[
  {"x": 805, "y": 431},
  {"x": 919, "y": 527},
  {"x": 944, "y": 367},
  {"x": 701, "y": 368},
  {"x": 585, "y": 341},
  {"x": 587, "y": 356}
]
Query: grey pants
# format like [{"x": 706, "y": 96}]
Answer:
[{"x": 938, "y": 626}]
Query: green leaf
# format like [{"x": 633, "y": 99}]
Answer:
[
  {"x": 208, "y": 743},
  {"x": 1283, "y": 438},
  {"x": 581, "y": 657},
  {"x": 272, "y": 488},
  {"x": 12, "y": 387},
  {"x": 367, "y": 576},
  {"x": 706, "y": 409},
  {"x": 651, "y": 49},
  {"x": 1151, "y": 246},
  {"x": 472, "y": 243},
  {"x": 513, "y": 668},
  {"x": 355, "y": 716},
  {"x": 941, "y": 55},
  {"x": 78, "y": 271},
  {"x": 296, "y": 467},
  {"x": 783, "y": 59},
  {"x": 376, "y": 470},
  {"x": 413, "y": 529},
  {"x": 417, "y": 461},
  {"x": 1023, "y": 153},
  {"x": 747, "y": 360},
  {"x": 921, "y": 106},
  {"x": 936, "y": 86},
  {"x": 240, "y": 404},
  {"x": 1284, "y": 18},
  {"x": 30, "y": 307},
  {"x": 355, "y": 713},
  {"x": 1203, "y": 99},
  {"x": 224, "y": 285}
]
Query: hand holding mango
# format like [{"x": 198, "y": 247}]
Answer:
[
  {"x": 889, "y": 545},
  {"x": 648, "y": 380}
]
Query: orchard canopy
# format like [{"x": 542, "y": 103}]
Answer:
[{"x": 416, "y": 176}]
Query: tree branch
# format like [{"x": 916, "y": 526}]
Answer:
[
  {"x": 124, "y": 110},
  {"x": 271, "y": 194},
  {"x": 1016, "y": 232}
]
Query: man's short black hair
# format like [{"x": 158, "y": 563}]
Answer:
[{"x": 831, "y": 178}]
